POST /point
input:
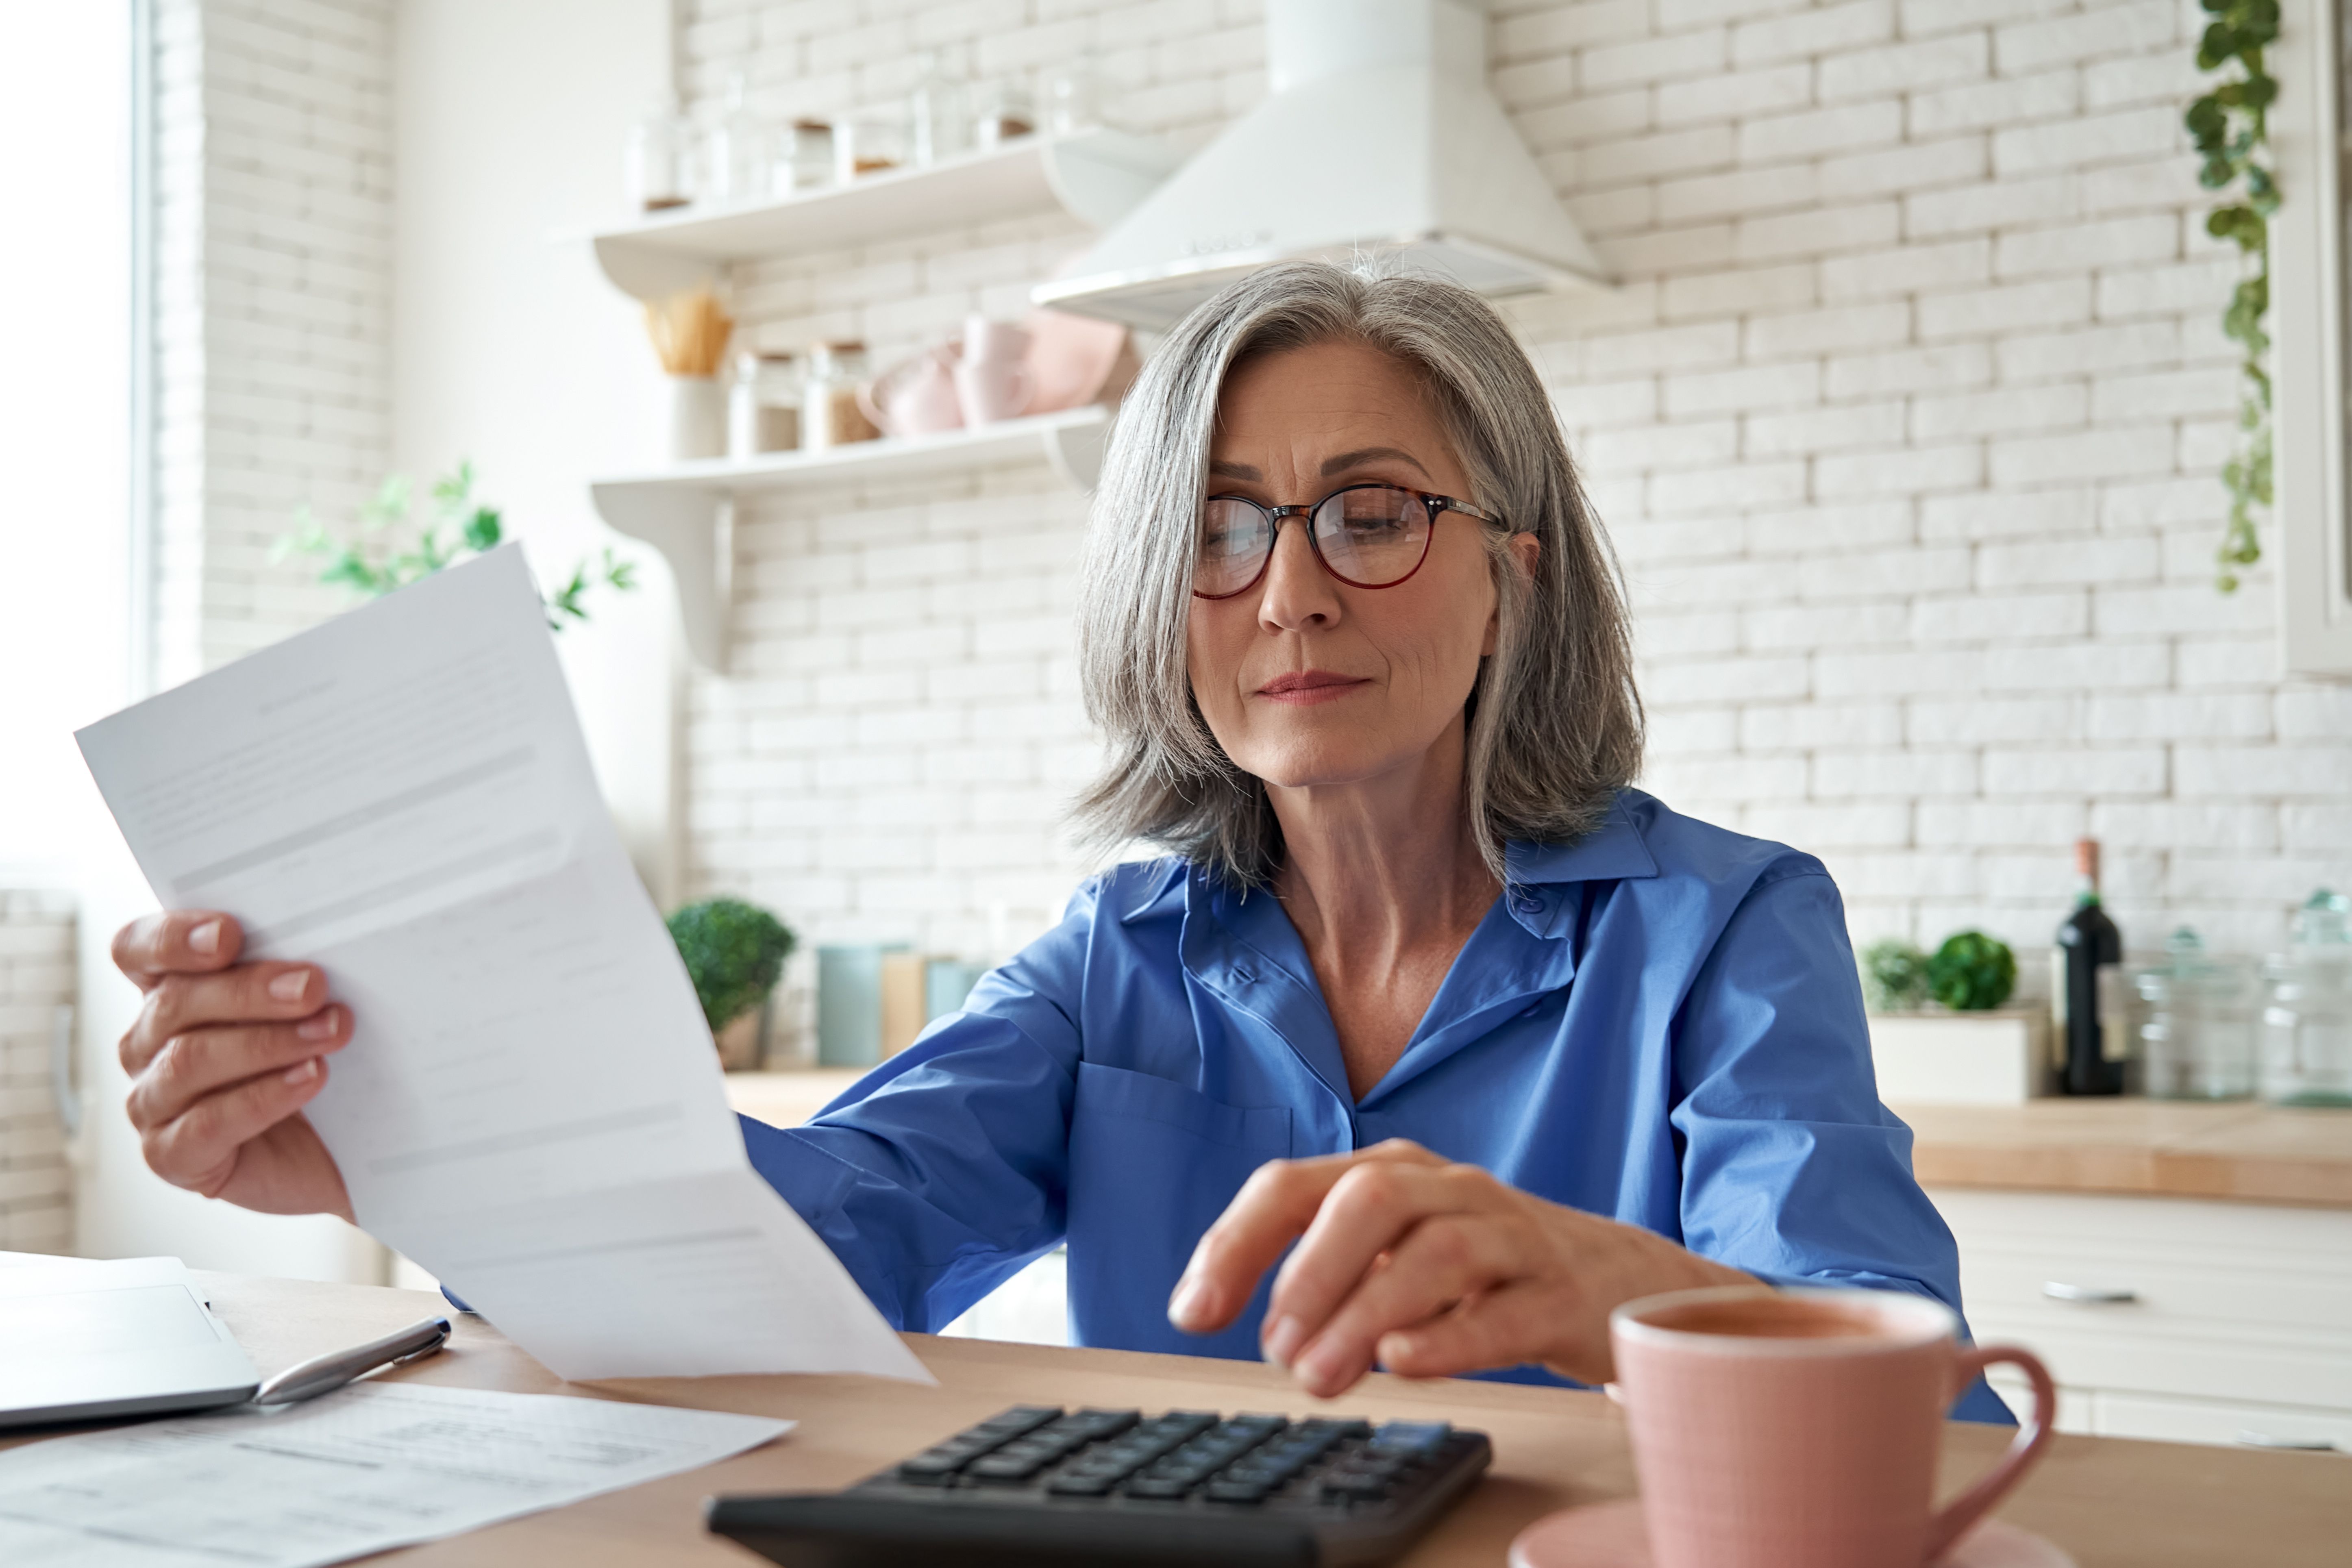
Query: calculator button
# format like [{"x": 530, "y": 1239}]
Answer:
[
  {"x": 1411, "y": 1437},
  {"x": 929, "y": 1472},
  {"x": 1006, "y": 1466},
  {"x": 1356, "y": 1490},
  {"x": 1076, "y": 1483},
  {"x": 1229, "y": 1489},
  {"x": 1019, "y": 1419},
  {"x": 1167, "y": 1488}
]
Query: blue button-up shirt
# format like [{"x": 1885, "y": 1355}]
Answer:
[{"x": 1660, "y": 1023}]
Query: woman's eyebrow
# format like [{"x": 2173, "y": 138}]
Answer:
[
  {"x": 1347, "y": 460},
  {"x": 1234, "y": 471}
]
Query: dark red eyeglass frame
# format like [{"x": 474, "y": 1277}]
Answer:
[{"x": 1438, "y": 506}]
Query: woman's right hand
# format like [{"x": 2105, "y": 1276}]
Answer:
[{"x": 223, "y": 1058}]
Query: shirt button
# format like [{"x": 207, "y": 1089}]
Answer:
[{"x": 1527, "y": 904}]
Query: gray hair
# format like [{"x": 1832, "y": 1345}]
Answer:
[{"x": 1555, "y": 724}]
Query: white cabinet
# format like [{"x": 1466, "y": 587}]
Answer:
[{"x": 2167, "y": 1318}]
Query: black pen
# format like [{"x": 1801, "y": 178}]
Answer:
[{"x": 324, "y": 1373}]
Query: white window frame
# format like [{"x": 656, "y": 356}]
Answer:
[{"x": 2314, "y": 532}]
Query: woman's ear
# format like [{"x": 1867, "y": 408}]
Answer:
[
  {"x": 1525, "y": 550},
  {"x": 1528, "y": 550}
]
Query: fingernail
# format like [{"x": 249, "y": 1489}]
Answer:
[
  {"x": 1281, "y": 1341},
  {"x": 318, "y": 1026},
  {"x": 1320, "y": 1367},
  {"x": 206, "y": 938},
  {"x": 1188, "y": 1303},
  {"x": 302, "y": 1072},
  {"x": 290, "y": 986}
]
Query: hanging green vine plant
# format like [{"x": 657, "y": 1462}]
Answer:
[{"x": 2229, "y": 127}]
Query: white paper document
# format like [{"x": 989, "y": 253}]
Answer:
[
  {"x": 362, "y": 1469},
  {"x": 531, "y": 1107}
]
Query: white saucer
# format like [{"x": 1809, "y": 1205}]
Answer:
[{"x": 1611, "y": 1535}]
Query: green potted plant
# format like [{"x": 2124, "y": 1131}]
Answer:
[
  {"x": 1894, "y": 977},
  {"x": 734, "y": 951},
  {"x": 1939, "y": 1033},
  {"x": 1972, "y": 972}
]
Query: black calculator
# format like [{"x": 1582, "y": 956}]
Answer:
[{"x": 1039, "y": 1485}]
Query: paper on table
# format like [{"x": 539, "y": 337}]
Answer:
[
  {"x": 365, "y": 1469},
  {"x": 530, "y": 1107}
]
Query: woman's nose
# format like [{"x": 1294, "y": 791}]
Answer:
[{"x": 1298, "y": 592}]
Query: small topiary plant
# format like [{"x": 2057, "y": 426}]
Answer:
[
  {"x": 1894, "y": 977},
  {"x": 734, "y": 951},
  {"x": 1972, "y": 972}
]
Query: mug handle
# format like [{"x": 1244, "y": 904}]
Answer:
[
  {"x": 2024, "y": 1450},
  {"x": 870, "y": 394}
]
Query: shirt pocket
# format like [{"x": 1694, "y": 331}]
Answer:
[
  {"x": 1120, "y": 1095},
  {"x": 1153, "y": 1164}
]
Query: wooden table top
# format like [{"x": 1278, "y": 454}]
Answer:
[
  {"x": 2245, "y": 1150},
  {"x": 2110, "y": 1502}
]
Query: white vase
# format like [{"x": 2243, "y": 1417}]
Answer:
[{"x": 697, "y": 418}]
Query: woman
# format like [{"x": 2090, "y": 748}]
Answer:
[{"x": 1422, "y": 986}]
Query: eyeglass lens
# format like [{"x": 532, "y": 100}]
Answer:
[{"x": 1369, "y": 536}]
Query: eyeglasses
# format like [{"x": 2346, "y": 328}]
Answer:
[{"x": 1368, "y": 536}]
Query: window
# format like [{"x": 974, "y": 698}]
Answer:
[{"x": 2311, "y": 305}]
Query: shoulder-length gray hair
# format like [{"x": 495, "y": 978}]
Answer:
[{"x": 1554, "y": 723}]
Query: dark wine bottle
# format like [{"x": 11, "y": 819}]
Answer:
[{"x": 2089, "y": 1036}]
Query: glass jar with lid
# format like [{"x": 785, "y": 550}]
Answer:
[
  {"x": 2308, "y": 1024},
  {"x": 763, "y": 405},
  {"x": 1003, "y": 110},
  {"x": 660, "y": 157},
  {"x": 738, "y": 159},
  {"x": 2197, "y": 1028},
  {"x": 874, "y": 143},
  {"x": 830, "y": 417},
  {"x": 938, "y": 111},
  {"x": 1075, "y": 95},
  {"x": 805, "y": 157}
]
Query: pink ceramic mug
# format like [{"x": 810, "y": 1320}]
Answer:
[
  {"x": 1800, "y": 1428},
  {"x": 991, "y": 378},
  {"x": 917, "y": 397}
]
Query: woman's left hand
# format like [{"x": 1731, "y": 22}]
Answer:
[{"x": 1426, "y": 1267}]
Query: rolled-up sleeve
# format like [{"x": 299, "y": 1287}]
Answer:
[
  {"x": 944, "y": 1171},
  {"x": 1792, "y": 1168}
]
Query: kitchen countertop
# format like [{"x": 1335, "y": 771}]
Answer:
[
  {"x": 2254, "y": 1153},
  {"x": 2248, "y": 1152}
]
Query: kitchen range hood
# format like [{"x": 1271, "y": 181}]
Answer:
[{"x": 1379, "y": 136}]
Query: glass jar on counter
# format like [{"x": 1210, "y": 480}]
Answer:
[
  {"x": 830, "y": 417},
  {"x": 763, "y": 405},
  {"x": 2308, "y": 1024},
  {"x": 2198, "y": 1029}
]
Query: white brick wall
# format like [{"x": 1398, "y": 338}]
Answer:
[
  {"x": 273, "y": 202},
  {"x": 36, "y": 980},
  {"x": 1906, "y": 421}
]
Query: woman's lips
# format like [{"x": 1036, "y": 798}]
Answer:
[{"x": 1305, "y": 687}]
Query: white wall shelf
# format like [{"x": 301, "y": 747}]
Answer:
[
  {"x": 1096, "y": 176},
  {"x": 686, "y": 511}
]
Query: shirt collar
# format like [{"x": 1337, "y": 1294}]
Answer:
[{"x": 1612, "y": 851}]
